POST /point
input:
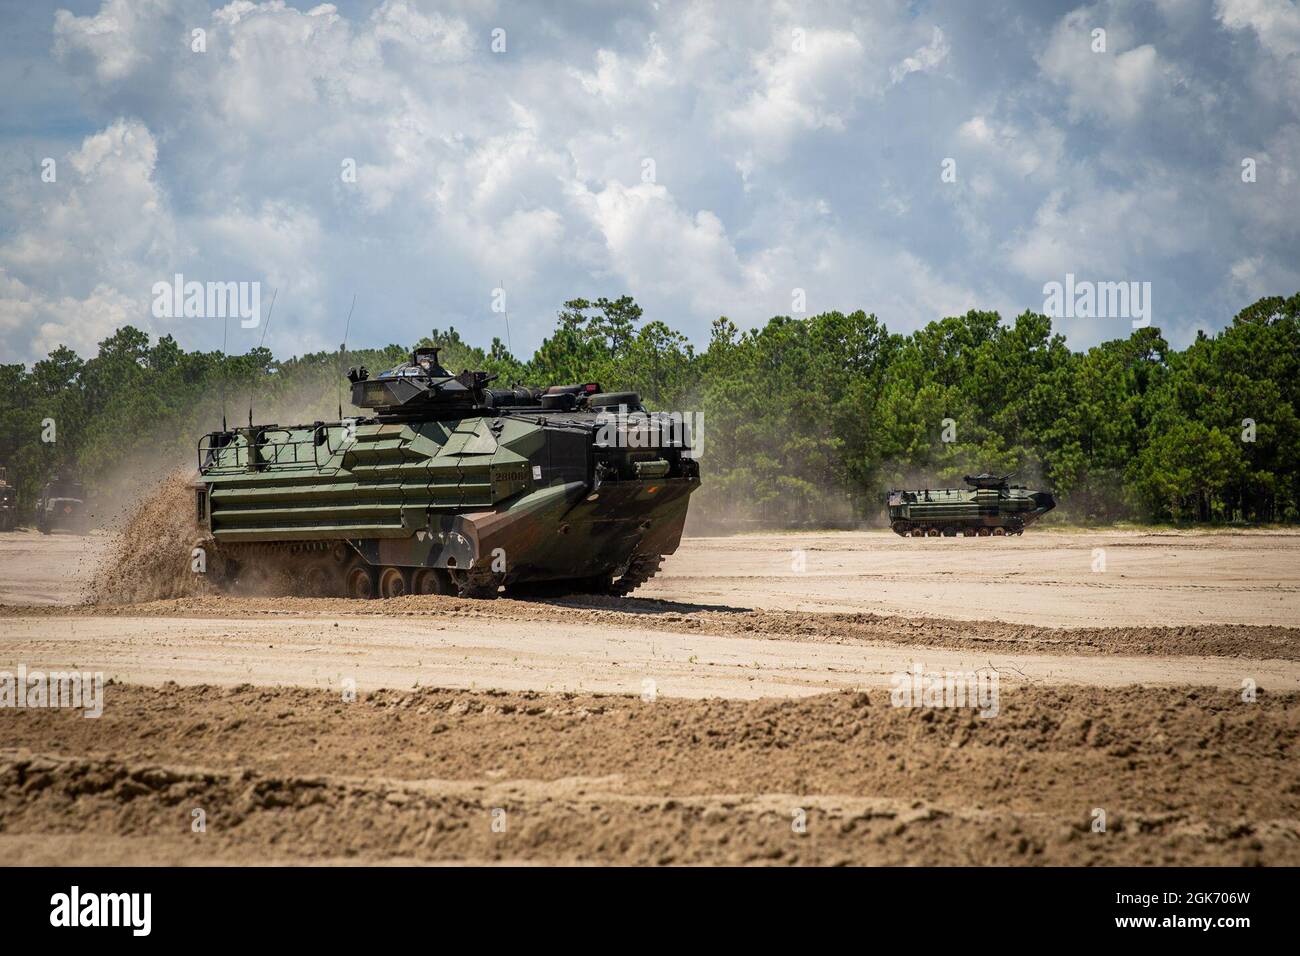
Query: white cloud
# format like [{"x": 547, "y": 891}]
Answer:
[
  {"x": 665, "y": 251},
  {"x": 778, "y": 164},
  {"x": 1276, "y": 25},
  {"x": 1255, "y": 277},
  {"x": 1013, "y": 151},
  {"x": 431, "y": 36},
  {"x": 1116, "y": 85},
  {"x": 1106, "y": 234},
  {"x": 616, "y": 76},
  {"x": 925, "y": 58},
  {"x": 112, "y": 39},
  {"x": 1275, "y": 22},
  {"x": 36, "y": 322},
  {"x": 798, "y": 90},
  {"x": 92, "y": 243}
]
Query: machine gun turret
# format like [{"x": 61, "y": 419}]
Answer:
[
  {"x": 422, "y": 388},
  {"x": 987, "y": 481}
]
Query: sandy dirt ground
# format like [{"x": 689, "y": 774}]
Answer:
[
  {"x": 40, "y": 568},
  {"x": 606, "y": 652},
  {"x": 1043, "y": 577},
  {"x": 736, "y": 710}
]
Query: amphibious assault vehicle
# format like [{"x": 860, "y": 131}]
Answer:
[
  {"x": 8, "y": 502},
  {"x": 990, "y": 506},
  {"x": 451, "y": 486},
  {"x": 62, "y": 507}
]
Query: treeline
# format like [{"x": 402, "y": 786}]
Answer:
[{"x": 806, "y": 421}]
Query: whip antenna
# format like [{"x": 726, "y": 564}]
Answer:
[
  {"x": 338, "y": 386},
  {"x": 225, "y": 325},
  {"x": 505, "y": 309},
  {"x": 269, "y": 310}
]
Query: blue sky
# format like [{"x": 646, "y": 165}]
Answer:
[{"x": 705, "y": 158}]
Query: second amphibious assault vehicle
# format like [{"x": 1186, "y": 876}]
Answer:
[
  {"x": 8, "y": 503},
  {"x": 990, "y": 506},
  {"x": 451, "y": 486},
  {"x": 62, "y": 506}
]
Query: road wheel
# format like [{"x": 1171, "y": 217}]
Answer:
[
  {"x": 933, "y": 532},
  {"x": 431, "y": 581},
  {"x": 361, "y": 582},
  {"x": 320, "y": 578},
  {"x": 968, "y": 532},
  {"x": 999, "y": 532},
  {"x": 983, "y": 532},
  {"x": 918, "y": 532},
  {"x": 394, "y": 582},
  {"x": 950, "y": 532}
]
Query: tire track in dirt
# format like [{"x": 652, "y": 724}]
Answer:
[{"x": 1268, "y": 642}]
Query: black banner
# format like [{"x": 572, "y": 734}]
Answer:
[{"x": 338, "y": 905}]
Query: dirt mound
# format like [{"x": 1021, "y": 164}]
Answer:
[
  {"x": 1184, "y": 775},
  {"x": 151, "y": 556}
]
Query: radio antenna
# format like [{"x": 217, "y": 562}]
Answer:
[
  {"x": 506, "y": 311},
  {"x": 338, "y": 386},
  {"x": 225, "y": 325},
  {"x": 269, "y": 310}
]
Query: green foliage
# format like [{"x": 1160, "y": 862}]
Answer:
[
  {"x": 807, "y": 421},
  {"x": 788, "y": 412}
]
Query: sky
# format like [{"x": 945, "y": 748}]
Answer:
[{"x": 749, "y": 159}]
